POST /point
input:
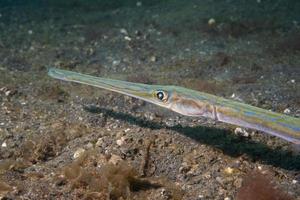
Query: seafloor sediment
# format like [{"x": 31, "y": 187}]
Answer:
[{"x": 68, "y": 141}]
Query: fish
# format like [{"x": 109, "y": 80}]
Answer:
[{"x": 195, "y": 104}]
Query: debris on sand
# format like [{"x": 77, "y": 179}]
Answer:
[{"x": 259, "y": 186}]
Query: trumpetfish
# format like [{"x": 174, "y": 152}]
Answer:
[{"x": 196, "y": 104}]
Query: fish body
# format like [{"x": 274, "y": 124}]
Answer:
[{"x": 197, "y": 104}]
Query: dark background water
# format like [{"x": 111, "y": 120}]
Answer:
[{"x": 287, "y": 10}]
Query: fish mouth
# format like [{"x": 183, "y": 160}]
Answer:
[{"x": 137, "y": 90}]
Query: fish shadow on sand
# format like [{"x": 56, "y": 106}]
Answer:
[{"x": 224, "y": 140}]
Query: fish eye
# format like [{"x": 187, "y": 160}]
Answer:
[{"x": 161, "y": 95}]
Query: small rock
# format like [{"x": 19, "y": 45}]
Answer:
[
  {"x": 294, "y": 181},
  {"x": 287, "y": 111},
  {"x": 99, "y": 142},
  {"x": 119, "y": 135},
  {"x": 4, "y": 145},
  {"x": 126, "y": 130},
  {"x": 89, "y": 145},
  {"x": 165, "y": 193},
  {"x": 3, "y": 89},
  {"x": 227, "y": 198},
  {"x": 184, "y": 168},
  {"x": 123, "y": 31},
  {"x": 90, "y": 51},
  {"x": 115, "y": 126},
  {"x": 219, "y": 180},
  {"x": 30, "y": 32},
  {"x": 211, "y": 22},
  {"x": 121, "y": 141},
  {"x": 115, "y": 159},
  {"x": 228, "y": 170},
  {"x": 236, "y": 164},
  {"x": 78, "y": 153},
  {"x": 127, "y": 38},
  {"x": 259, "y": 168},
  {"x": 293, "y": 81},
  {"x": 153, "y": 59},
  {"x": 238, "y": 182},
  {"x": 242, "y": 132},
  {"x": 116, "y": 62},
  {"x": 7, "y": 93}
]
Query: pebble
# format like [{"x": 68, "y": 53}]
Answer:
[
  {"x": 293, "y": 81},
  {"x": 294, "y": 181},
  {"x": 116, "y": 62},
  {"x": 99, "y": 142},
  {"x": 153, "y": 59},
  {"x": 126, "y": 130},
  {"x": 89, "y": 145},
  {"x": 115, "y": 159},
  {"x": 238, "y": 182},
  {"x": 121, "y": 141},
  {"x": 127, "y": 38},
  {"x": 227, "y": 198},
  {"x": 219, "y": 180},
  {"x": 4, "y": 144},
  {"x": 228, "y": 170},
  {"x": 78, "y": 153},
  {"x": 242, "y": 132},
  {"x": 90, "y": 51},
  {"x": 287, "y": 111},
  {"x": 115, "y": 126},
  {"x": 7, "y": 93},
  {"x": 259, "y": 167},
  {"x": 119, "y": 135},
  {"x": 123, "y": 31},
  {"x": 211, "y": 22},
  {"x": 30, "y": 32}
]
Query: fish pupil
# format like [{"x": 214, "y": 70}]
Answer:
[{"x": 160, "y": 95}]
